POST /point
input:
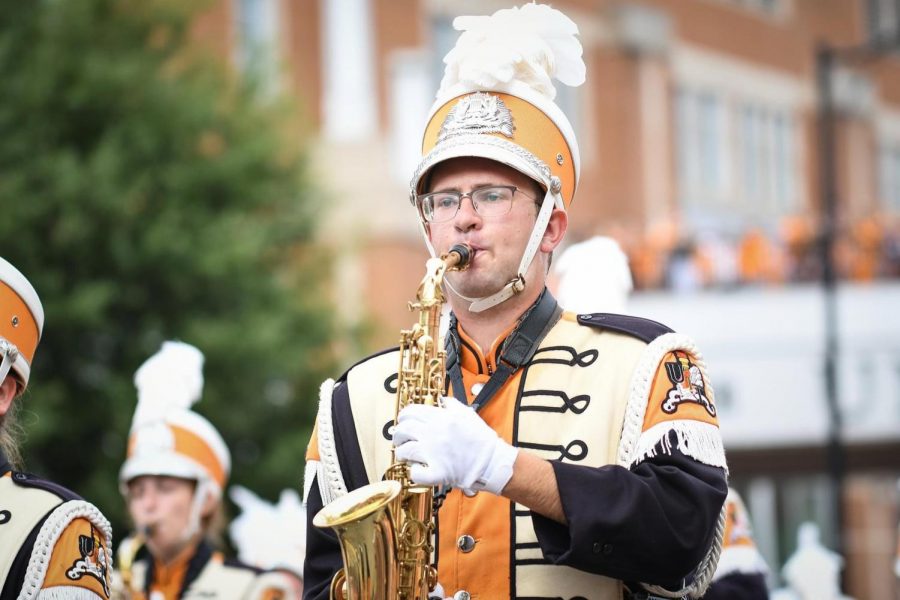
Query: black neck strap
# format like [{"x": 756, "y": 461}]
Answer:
[{"x": 516, "y": 351}]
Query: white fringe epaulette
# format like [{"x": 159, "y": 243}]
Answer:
[
  {"x": 67, "y": 592},
  {"x": 331, "y": 479},
  {"x": 701, "y": 441},
  {"x": 46, "y": 539}
]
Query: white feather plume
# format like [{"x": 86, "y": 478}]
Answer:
[
  {"x": 269, "y": 536},
  {"x": 532, "y": 44},
  {"x": 171, "y": 379}
]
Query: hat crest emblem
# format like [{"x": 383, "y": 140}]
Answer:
[{"x": 477, "y": 113}]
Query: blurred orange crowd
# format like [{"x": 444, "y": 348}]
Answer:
[{"x": 664, "y": 258}]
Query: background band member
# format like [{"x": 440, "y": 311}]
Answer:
[
  {"x": 172, "y": 481},
  {"x": 52, "y": 543},
  {"x": 579, "y": 466}
]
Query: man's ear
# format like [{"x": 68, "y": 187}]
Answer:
[
  {"x": 8, "y": 390},
  {"x": 556, "y": 229},
  {"x": 209, "y": 504}
]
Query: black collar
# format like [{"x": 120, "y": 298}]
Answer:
[
  {"x": 196, "y": 564},
  {"x": 518, "y": 348}
]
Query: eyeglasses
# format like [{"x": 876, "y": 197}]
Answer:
[{"x": 488, "y": 201}]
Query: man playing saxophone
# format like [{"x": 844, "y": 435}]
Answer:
[{"x": 582, "y": 452}]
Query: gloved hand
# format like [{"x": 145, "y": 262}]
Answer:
[
  {"x": 453, "y": 446},
  {"x": 438, "y": 593}
]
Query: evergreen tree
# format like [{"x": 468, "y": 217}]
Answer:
[{"x": 149, "y": 194}]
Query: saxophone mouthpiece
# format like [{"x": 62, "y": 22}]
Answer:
[{"x": 464, "y": 254}]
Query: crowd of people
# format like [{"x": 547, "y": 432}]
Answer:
[{"x": 864, "y": 250}]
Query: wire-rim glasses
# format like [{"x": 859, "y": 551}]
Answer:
[{"x": 488, "y": 201}]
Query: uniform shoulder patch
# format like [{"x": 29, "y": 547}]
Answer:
[
  {"x": 73, "y": 551},
  {"x": 671, "y": 394},
  {"x": 680, "y": 391},
  {"x": 643, "y": 329}
]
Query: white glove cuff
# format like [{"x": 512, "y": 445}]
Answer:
[{"x": 499, "y": 470}]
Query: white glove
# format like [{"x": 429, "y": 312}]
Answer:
[{"x": 453, "y": 446}]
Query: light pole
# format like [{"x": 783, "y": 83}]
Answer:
[{"x": 827, "y": 58}]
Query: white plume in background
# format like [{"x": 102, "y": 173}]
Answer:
[
  {"x": 171, "y": 379},
  {"x": 266, "y": 535},
  {"x": 532, "y": 44},
  {"x": 593, "y": 276}
]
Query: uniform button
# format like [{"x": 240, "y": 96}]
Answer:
[
  {"x": 462, "y": 595},
  {"x": 476, "y": 388},
  {"x": 466, "y": 543}
]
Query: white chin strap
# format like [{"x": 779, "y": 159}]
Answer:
[
  {"x": 516, "y": 284},
  {"x": 10, "y": 354},
  {"x": 203, "y": 489}
]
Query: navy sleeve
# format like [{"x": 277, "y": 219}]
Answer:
[
  {"x": 652, "y": 524},
  {"x": 738, "y": 586},
  {"x": 323, "y": 553}
]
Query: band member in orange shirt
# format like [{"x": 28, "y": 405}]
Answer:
[{"x": 582, "y": 452}]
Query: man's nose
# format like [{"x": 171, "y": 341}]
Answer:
[{"x": 466, "y": 217}]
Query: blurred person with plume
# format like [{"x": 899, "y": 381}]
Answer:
[
  {"x": 741, "y": 573},
  {"x": 271, "y": 536},
  {"x": 812, "y": 572},
  {"x": 172, "y": 481},
  {"x": 53, "y": 544},
  {"x": 592, "y": 276},
  {"x": 580, "y": 454}
]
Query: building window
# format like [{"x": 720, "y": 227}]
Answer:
[
  {"x": 889, "y": 176},
  {"x": 702, "y": 151},
  {"x": 766, "y": 148},
  {"x": 883, "y": 19},
  {"x": 768, "y": 7},
  {"x": 256, "y": 51}
]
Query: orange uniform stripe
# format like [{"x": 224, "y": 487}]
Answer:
[
  {"x": 24, "y": 334},
  {"x": 485, "y": 517},
  {"x": 191, "y": 445},
  {"x": 534, "y": 131}
]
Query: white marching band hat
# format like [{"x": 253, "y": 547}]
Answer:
[
  {"x": 21, "y": 323},
  {"x": 167, "y": 438}
]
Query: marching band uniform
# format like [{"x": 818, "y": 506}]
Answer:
[
  {"x": 620, "y": 406},
  {"x": 53, "y": 544},
  {"x": 741, "y": 573},
  {"x": 169, "y": 440}
]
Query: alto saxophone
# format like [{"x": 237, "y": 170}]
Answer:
[{"x": 385, "y": 528}]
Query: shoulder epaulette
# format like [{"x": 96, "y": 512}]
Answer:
[
  {"x": 343, "y": 377},
  {"x": 643, "y": 329},
  {"x": 33, "y": 481}
]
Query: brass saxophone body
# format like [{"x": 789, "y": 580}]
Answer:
[
  {"x": 385, "y": 528},
  {"x": 125, "y": 587}
]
